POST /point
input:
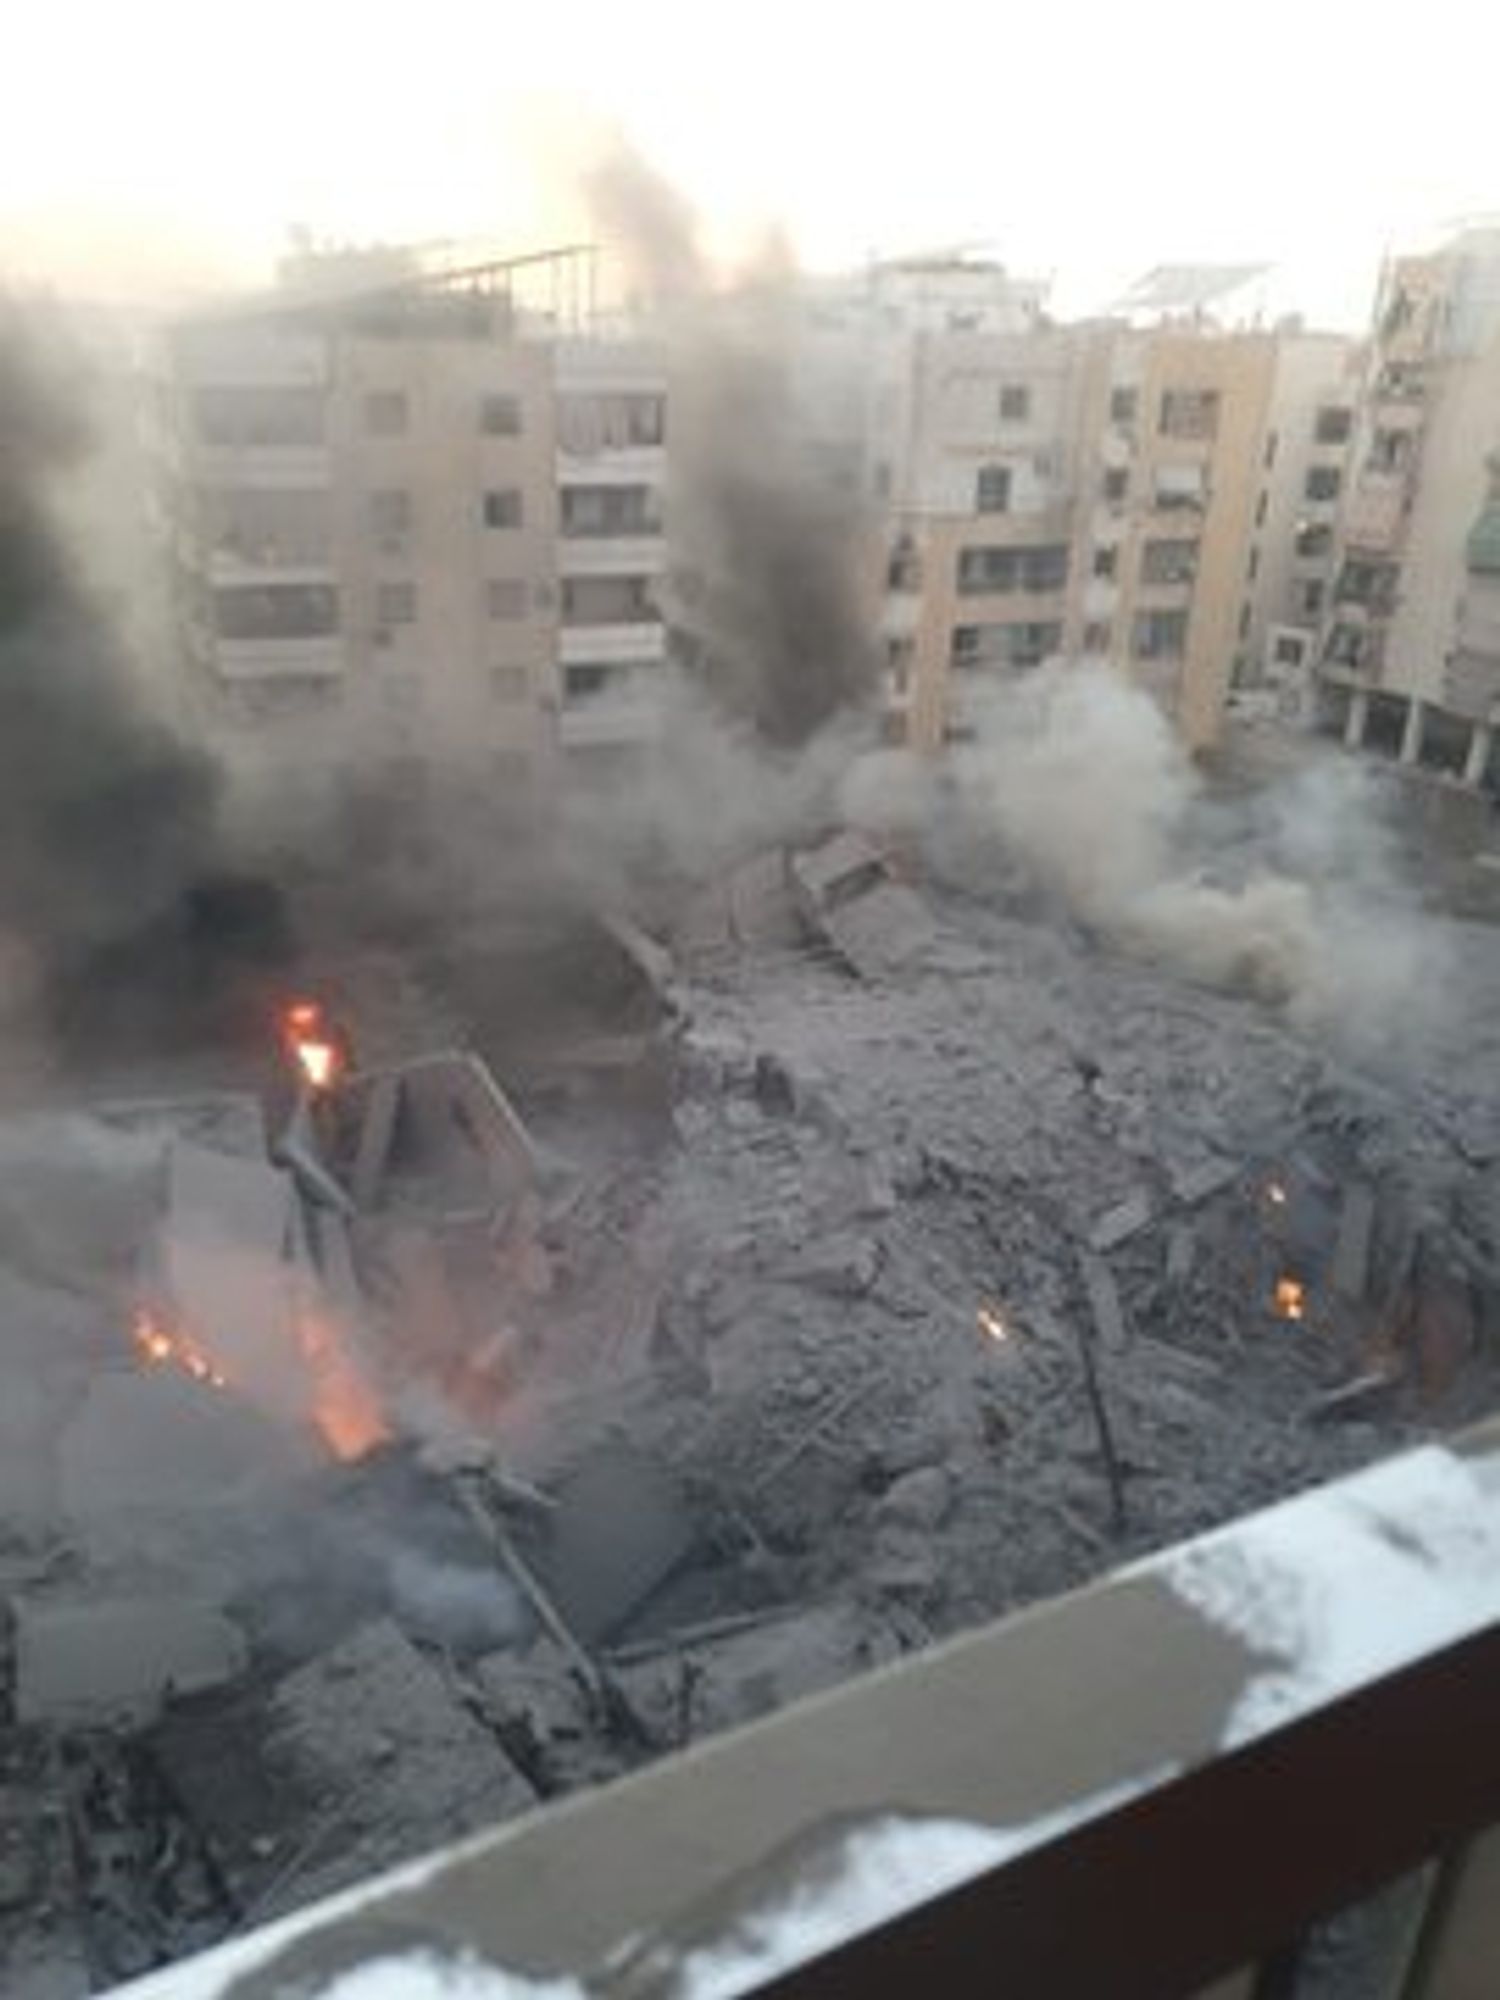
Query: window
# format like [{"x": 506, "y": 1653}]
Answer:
[
  {"x": 1106, "y": 561},
  {"x": 506, "y": 597},
  {"x": 1323, "y": 482},
  {"x": 904, "y": 569},
  {"x": 1169, "y": 562},
  {"x": 1346, "y": 646},
  {"x": 385, "y": 413},
  {"x": 1180, "y": 486},
  {"x": 395, "y": 603},
  {"x": 1245, "y": 620},
  {"x": 610, "y": 421},
  {"x": 390, "y": 513},
  {"x": 1096, "y": 638},
  {"x": 1116, "y": 483},
  {"x": 1390, "y": 451},
  {"x": 1288, "y": 650},
  {"x": 1025, "y": 643},
  {"x": 1268, "y": 456},
  {"x": 1260, "y": 508},
  {"x": 1313, "y": 540},
  {"x": 237, "y": 417},
  {"x": 992, "y": 489},
  {"x": 608, "y": 600},
  {"x": 500, "y": 416},
  {"x": 900, "y": 656},
  {"x": 509, "y": 683},
  {"x": 502, "y": 507},
  {"x": 1122, "y": 405},
  {"x": 1252, "y": 568},
  {"x": 1333, "y": 425},
  {"x": 1189, "y": 413},
  {"x": 276, "y": 611},
  {"x": 1004, "y": 569},
  {"x": 1159, "y": 635},
  {"x": 1015, "y": 403},
  {"x": 580, "y": 682},
  {"x": 1312, "y": 598},
  {"x": 610, "y": 510}
]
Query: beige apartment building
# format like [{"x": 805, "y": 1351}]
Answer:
[
  {"x": 1410, "y": 644},
  {"x": 1091, "y": 491},
  {"x": 413, "y": 520}
]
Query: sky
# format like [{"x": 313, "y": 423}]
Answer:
[{"x": 165, "y": 144}]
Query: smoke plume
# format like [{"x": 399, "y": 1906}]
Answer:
[
  {"x": 764, "y": 498},
  {"x": 1088, "y": 787},
  {"x": 102, "y": 813}
]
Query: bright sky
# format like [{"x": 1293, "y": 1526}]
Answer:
[{"x": 158, "y": 140}]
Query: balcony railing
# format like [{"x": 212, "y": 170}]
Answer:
[{"x": 1158, "y": 1782}]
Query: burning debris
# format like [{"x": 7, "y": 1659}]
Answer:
[{"x": 500, "y": 1436}]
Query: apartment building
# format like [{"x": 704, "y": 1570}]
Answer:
[
  {"x": 1410, "y": 643},
  {"x": 412, "y": 520},
  {"x": 1081, "y": 491}
]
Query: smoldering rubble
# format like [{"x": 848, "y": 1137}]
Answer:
[{"x": 895, "y": 1245}]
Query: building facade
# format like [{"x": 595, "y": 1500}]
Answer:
[
  {"x": 410, "y": 523},
  {"x": 1409, "y": 660}
]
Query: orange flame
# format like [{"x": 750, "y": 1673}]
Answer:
[
  {"x": 1290, "y": 1299},
  {"x": 157, "y": 1347},
  {"x": 344, "y": 1407},
  {"x": 310, "y": 1045},
  {"x": 992, "y": 1324}
]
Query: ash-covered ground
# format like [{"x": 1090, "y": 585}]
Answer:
[{"x": 901, "y": 1245}]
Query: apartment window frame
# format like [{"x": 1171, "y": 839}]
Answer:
[
  {"x": 992, "y": 489},
  {"x": 1014, "y": 403},
  {"x": 1323, "y": 484},
  {"x": 1191, "y": 414},
  {"x": 503, "y": 509},
  {"x": 500, "y": 415},
  {"x": 1333, "y": 424},
  {"x": 390, "y": 513},
  {"x": 1106, "y": 562},
  {"x": 1170, "y": 561},
  {"x": 1115, "y": 485},
  {"x": 1124, "y": 404},
  {"x": 1159, "y": 634}
]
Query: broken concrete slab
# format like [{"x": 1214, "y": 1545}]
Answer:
[
  {"x": 620, "y": 1529},
  {"x": 881, "y": 931},
  {"x": 844, "y": 1267},
  {"x": 762, "y": 911},
  {"x": 1196, "y": 1182},
  {"x": 842, "y": 867},
  {"x": 1104, "y": 1301},
  {"x": 922, "y": 1499},
  {"x": 1118, "y": 1224},
  {"x": 97, "y": 1661},
  {"x": 348, "y": 1765},
  {"x": 1349, "y": 1273}
]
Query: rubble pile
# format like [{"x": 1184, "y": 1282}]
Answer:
[{"x": 948, "y": 1259}]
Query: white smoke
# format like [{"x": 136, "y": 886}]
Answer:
[{"x": 1084, "y": 780}]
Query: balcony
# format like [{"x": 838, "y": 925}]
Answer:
[
  {"x": 612, "y": 555},
  {"x": 608, "y": 718},
  {"x": 272, "y": 467},
  {"x": 319, "y": 658},
  {"x": 1159, "y": 1782},
  {"x": 1376, "y": 510},
  {"x": 642, "y": 639}
]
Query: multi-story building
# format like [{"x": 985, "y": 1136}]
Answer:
[
  {"x": 414, "y": 519},
  {"x": 1410, "y": 643},
  {"x": 1094, "y": 491}
]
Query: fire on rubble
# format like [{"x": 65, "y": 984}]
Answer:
[
  {"x": 157, "y": 1346},
  {"x": 1289, "y": 1301},
  {"x": 312, "y": 1046}
]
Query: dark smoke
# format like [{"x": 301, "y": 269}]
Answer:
[
  {"x": 765, "y": 494},
  {"x": 104, "y": 816},
  {"x": 102, "y": 813}
]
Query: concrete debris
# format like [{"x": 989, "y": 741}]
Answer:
[
  {"x": 762, "y": 912},
  {"x": 848, "y": 898},
  {"x": 619, "y": 1531},
  {"x": 96, "y": 1662},
  {"x": 1350, "y": 1270},
  {"x": 1104, "y": 1301},
  {"x": 1118, "y": 1224},
  {"x": 845, "y": 1267},
  {"x": 1195, "y": 1183},
  {"x": 922, "y": 1499},
  {"x": 357, "y": 1761}
]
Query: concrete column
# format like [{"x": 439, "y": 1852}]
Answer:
[
  {"x": 1411, "y": 736},
  {"x": 1359, "y": 715},
  {"x": 1478, "y": 759}
]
